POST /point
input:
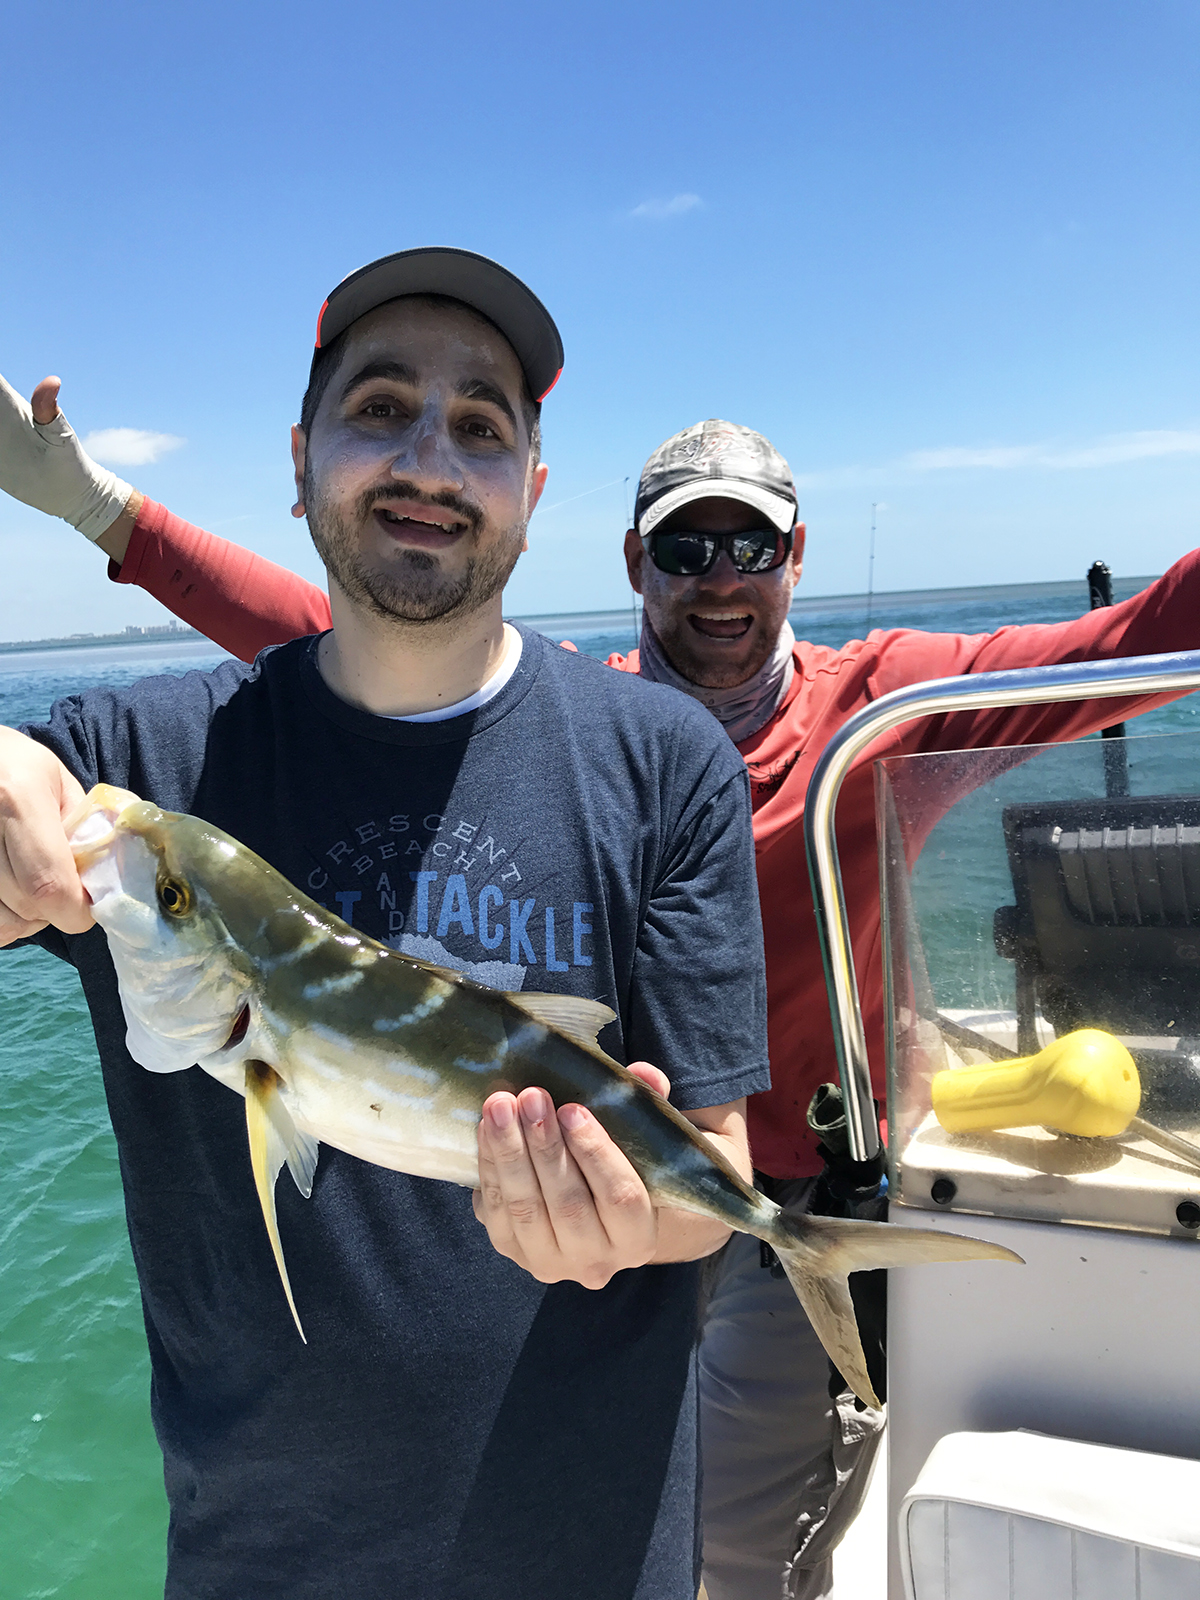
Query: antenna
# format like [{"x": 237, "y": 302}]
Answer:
[{"x": 871, "y": 567}]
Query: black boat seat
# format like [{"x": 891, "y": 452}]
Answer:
[{"x": 1105, "y": 931}]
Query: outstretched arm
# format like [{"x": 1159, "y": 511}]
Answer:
[
  {"x": 238, "y": 599},
  {"x": 1164, "y": 617}
]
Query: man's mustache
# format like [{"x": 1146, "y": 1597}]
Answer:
[
  {"x": 700, "y": 600},
  {"x": 464, "y": 510}
]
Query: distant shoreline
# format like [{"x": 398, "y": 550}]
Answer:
[
  {"x": 165, "y": 633},
  {"x": 554, "y": 621}
]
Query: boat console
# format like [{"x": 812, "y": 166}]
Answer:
[{"x": 1042, "y": 971}]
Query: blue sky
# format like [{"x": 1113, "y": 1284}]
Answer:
[{"x": 943, "y": 255}]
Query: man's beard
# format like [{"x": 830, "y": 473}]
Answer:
[
  {"x": 412, "y": 587},
  {"x": 686, "y": 654}
]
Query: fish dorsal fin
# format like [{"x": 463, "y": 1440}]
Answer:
[
  {"x": 449, "y": 974},
  {"x": 579, "y": 1019},
  {"x": 274, "y": 1140}
]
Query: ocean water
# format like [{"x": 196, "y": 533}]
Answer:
[{"x": 82, "y": 1510}]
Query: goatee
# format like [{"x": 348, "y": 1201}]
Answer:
[{"x": 410, "y": 586}]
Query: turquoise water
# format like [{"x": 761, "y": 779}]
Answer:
[{"x": 82, "y": 1510}]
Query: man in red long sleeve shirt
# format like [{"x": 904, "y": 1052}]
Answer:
[{"x": 716, "y": 552}]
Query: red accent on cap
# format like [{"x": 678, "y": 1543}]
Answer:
[
  {"x": 320, "y": 315},
  {"x": 546, "y": 391}
]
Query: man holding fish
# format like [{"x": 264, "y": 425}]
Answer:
[
  {"x": 459, "y": 1422},
  {"x": 314, "y": 873},
  {"x": 716, "y": 551}
]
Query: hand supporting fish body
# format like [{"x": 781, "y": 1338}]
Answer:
[{"x": 332, "y": 1037}]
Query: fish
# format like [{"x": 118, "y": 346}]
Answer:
[{"x": 333, "y": 1038}]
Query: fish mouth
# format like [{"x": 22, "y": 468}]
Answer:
[{"x": 92, "y": 826}]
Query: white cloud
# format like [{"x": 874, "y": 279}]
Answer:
[
  {"x": 1111, "y": 451},
  {"x": 957, "y": 459},
  {"x": 130, "y": 447},
  {"x": 1116, "y": 449},
  {"x": 661, "y": 210}
]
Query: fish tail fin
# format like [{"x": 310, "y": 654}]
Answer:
[
  {"x": 819, "y": 1253},
  {"x": 272, "y": 1136}
]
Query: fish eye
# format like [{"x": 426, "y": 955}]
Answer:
[{"x": 174, "y": 897}]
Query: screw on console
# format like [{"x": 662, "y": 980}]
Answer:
[
  {"x": 1187, "y": 1214},
  {"x": 943, "y": 1190}
]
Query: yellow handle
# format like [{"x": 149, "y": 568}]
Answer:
[{"x": 1084, "y": 1083}]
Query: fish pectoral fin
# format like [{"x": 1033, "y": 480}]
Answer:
[
  {"x": 272, "y": 1133},
  {"x": 579, "y": 1019},
  {"x": 302, "y": 1155}
]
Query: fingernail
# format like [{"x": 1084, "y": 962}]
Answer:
[
  {"x": 535, "y": 1106},
  {"x": 501, "y": 1113},
  {"x": 572, "y": 1118}
]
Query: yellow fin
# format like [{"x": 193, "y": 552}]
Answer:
[
  {"x": 567, "y": 1013},
  {"x": 829, "y": 1308},
  {"x": 819, "y": 1253},
  {"x": 272, "y": 1134}
]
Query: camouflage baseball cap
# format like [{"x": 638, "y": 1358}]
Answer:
[{"x": 715, "y": 459}]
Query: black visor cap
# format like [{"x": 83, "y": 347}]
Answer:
[{"x": 483, "y": 285}]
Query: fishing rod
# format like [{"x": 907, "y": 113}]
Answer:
[{"x": 1116, "y": 756}]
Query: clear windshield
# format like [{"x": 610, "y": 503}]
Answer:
[{"x": 1042, "y": 952}]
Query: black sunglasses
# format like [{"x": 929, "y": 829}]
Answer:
[{"x": 690, "y": 555}]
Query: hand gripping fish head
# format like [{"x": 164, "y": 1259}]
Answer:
[
  {"x": 332, "y": 1037},
  {"x": 184, "y": 980}
]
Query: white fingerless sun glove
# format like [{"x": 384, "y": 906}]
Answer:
[{"x": 44, "y": 465}]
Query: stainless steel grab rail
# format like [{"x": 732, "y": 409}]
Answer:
[{"x": 1026, "y": 686}]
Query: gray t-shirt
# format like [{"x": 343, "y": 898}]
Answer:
[{"x": 453, "y": 1428}]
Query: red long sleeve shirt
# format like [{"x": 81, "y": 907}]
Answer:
[
  {"x": 241, "y": 601},
  {"x": 245, "y": 603}
]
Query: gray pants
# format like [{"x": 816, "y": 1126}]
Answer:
[{"x": 785, "y": 1467}]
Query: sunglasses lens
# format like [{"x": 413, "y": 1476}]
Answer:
[
  {"x": 685, "y": 555},
  {"x": 758, "y": 552},
  {"x": 690, "y": 555}
]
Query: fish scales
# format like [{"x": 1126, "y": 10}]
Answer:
[
  {"x": 518, "y": 1053},
  {"x": 333, "y": 1038}
]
